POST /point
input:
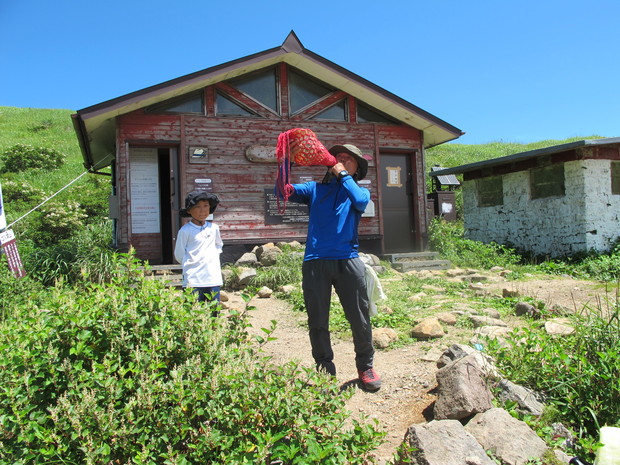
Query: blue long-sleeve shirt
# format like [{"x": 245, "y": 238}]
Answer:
[{"x": 335, "y": 212}]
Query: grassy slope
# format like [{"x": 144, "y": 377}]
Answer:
[{"x": 454, "y": 154}]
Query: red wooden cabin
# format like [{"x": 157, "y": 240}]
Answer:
[{"x": 217, "y": 129}]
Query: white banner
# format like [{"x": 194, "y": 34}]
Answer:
[
  {"x": 9, "y": 247},
  {"x": 2, "y": 216}
]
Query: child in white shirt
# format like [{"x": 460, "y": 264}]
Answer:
[{"x": 199, "y": 245}]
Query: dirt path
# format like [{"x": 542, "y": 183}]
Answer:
[{"x": 408, "y": 373}]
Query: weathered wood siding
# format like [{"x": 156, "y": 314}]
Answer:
[{"x": 240, "y": 183}]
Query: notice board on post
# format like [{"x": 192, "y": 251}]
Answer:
[{"x": 144, "y": 190}]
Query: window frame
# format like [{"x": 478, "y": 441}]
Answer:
[
  {"x": 546, "y": 181},
  {"x": 490, "y": 191}
]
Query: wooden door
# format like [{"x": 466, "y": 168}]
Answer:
[{"x": 397, "y": 203}]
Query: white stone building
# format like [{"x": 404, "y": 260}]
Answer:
[{"x": 554, "y": 202}]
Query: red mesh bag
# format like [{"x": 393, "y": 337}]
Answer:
[{"x": 302, "y": 147}]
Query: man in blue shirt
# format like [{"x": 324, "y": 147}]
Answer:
[{"x": 331, "y": 258}]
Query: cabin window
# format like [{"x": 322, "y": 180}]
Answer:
[
  {"x": 615, "y": 177},
  {"x": 304, "y": 91},
  {"x": 336, "y": 112},
  {"x": 367, "y": 115},
  {"x": 225, "y": 106},
  {"x": 490, "y": 191},
  {"x": 192, "y": 103},
  {"x": 547, "y": 182},
  {"x": 261, "y": 86}
]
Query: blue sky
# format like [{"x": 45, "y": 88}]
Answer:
[{"x": 511, "y": 71}]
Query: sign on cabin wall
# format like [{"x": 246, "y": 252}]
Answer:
[
  {"x": 295, "y": 212},
  {"x": 203, "y": 185},
  {"x": 144, "y": 180}
]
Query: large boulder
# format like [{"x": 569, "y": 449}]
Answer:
[
  {"x": 462, "y": 390},
  {"x": 509, "y": 439},
  {"x": 441, "y": 443}
]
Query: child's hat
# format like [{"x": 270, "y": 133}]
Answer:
[{"x": 196, "y": 196}]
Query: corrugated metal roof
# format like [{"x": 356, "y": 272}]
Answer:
[
  {"x": 96, "y": 127},
  {"x": 524, "y": 156}
]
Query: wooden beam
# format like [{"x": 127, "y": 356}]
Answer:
[
  {"x": 321, "y": 105},
  {"x": 246, "y": 101}
]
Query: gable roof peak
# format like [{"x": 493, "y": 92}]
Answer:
[{"x": 292, "y": 43}]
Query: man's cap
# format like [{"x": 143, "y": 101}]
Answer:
[
  {"x": 196, "y": 196},
  {"x": 362, "y": 160}
]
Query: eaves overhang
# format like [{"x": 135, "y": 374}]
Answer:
[
  {"x": 96, "y": 125},
  {"x": 517, "y": 157}
]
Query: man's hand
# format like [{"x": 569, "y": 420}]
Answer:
[{"x": 337, "y": 168}]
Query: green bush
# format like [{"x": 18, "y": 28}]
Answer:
[
  {"x": 15, "y": 292},
  {"x": 132, "y": 372},
  {"x": 86, "y": 256},
  {"x": 22, "y": 157},
  {"x": 578, "y": 374},
  {"x": 448, "y": 238},
  {"x": 14, "y": 191},
  {"x": 57, "y": 221}
]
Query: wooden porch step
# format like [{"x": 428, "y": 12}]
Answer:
[{"x": 171, "y": 275}]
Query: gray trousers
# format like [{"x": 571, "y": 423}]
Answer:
[{"x": 347, "y": 277}]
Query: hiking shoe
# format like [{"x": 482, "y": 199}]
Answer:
[{"x": 371, "y": 381}]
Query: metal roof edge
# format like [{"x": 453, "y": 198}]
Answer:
[
  {"x": 525, "y": 155},
  {"x": 80, "y": 130}
]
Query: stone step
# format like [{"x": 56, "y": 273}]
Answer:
[
  {"x": 422, "y": 265},
  {"x": 411, "y": 256},
  {"x": 417, "y": 261}
]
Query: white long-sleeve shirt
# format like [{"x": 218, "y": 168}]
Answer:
[{"x": 198, "y": 250}]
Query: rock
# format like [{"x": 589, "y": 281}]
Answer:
[
  {"x": 474, "y": 278},
  {"x": 245, "y": 276},
  {"x": 227, "y": 275},
  {"x": 526, "y": 398},
  {"x": 288, "y": 289},
  {"x": 479, "y": 321},
  {"x": 447, "y": 318},
  {"x": 247, "y": 259},
  {"x": 559, "y": 327},
  {"x": 224, "y": 296},
  {"x": 562, "y": 456},
  {"x": 427, "y": 328},
  {"x": 491, "y": 312},
  {"x": 443, "y": 442},
  {"x": 417, "y": 296},
  {"x": 269, "y": 256},
  {"x": 462, "y": 390},
  {"x": 264, "y": 292},
  {"x": 383, "y": 337},
  {"x": 454, "y": 352},
  {"x": 370, "y": 259},
  {"x": 511, "y": 440},
  {"x": 292, "y": 245},
  {"x": 433, "y": 355},
  {"x": 525, "y": 309},
  {"x": 484, "y": 333},
  {"x": 509, "y": 292}
]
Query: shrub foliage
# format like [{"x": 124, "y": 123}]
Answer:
[
  {"x": 131, "y": 372},
  {"x": 22, "y": 157}
]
